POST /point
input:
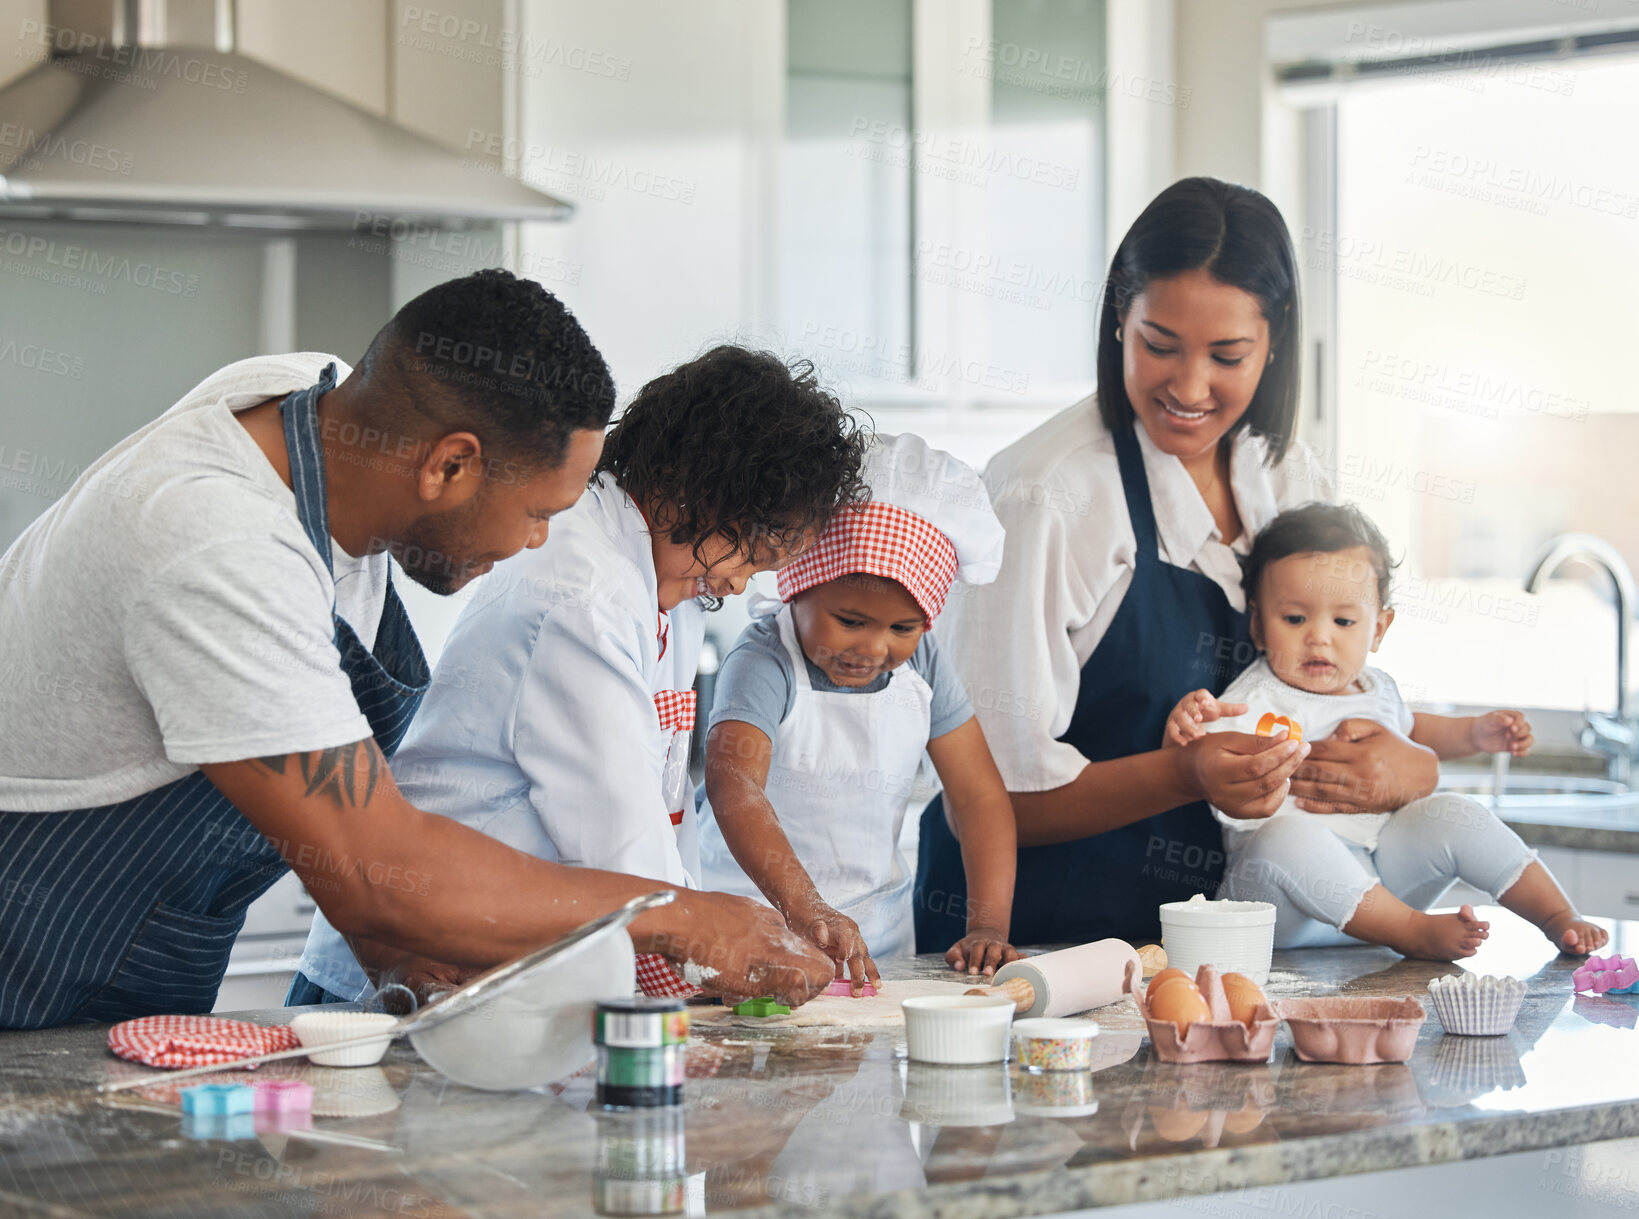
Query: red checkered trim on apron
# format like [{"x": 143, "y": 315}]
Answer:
[
  {"x": 657, "y": 976},
  {"x": 675, "y": 709},
  {"x": 882, "y": 540},
  {"x": 196, "y": 1041}
]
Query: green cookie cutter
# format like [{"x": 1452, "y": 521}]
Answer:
[{"x": 764, "y": 1006}]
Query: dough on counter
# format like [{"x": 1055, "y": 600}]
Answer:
[{"x": 881, "y": 1009}]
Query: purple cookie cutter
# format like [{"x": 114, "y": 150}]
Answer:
[{"x": 1611, "y": 975}]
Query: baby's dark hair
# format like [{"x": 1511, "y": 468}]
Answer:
[
  {"x": 1317, "y": 529},
  {"x": 738, "y": 443}
]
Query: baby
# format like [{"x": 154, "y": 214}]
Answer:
[{"x": 1317, "y": 589}]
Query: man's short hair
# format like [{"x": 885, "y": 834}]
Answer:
[{"x": 498, "y": 356}]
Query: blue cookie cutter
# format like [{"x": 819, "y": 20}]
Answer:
[{"x": 218, "y": 1100}]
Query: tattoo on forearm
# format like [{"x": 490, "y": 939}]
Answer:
[{"x": 348, "y": 774}]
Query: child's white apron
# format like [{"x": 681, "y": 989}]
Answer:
[{"x": 840, "y": 780}]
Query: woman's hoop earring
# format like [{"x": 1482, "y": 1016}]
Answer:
[{"x": 1118, "y": 334}]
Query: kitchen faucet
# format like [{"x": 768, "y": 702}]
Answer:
[{"x": 1614, "y": 736}]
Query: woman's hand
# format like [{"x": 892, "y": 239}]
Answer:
[
  {"x": 1243, "y": 775},
  {"x": 1364, "y": 768},
  {"x": 838, "y": 937},
  {"x": 1194, "y": 709},
  {"x": 1503, "y": 732},
  {"x": 740, "y": 947},
  {"x": 983, "y": 950}
]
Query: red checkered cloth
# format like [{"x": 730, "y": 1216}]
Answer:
[
  {"x": 196, "y": 1041},
  {"x": 879, "y": 539},
  {"x": 675, "y": 709},
  {"x": 656, "y": 976}
]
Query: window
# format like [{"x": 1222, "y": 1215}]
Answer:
[
  {"x": 1486, "y": 237},
  {"x": 942, "y": 199}
]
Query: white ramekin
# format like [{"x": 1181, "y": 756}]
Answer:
[
  {"x": 317, "y": 1029},
  {"x": 1232, "y": 937},
  {"x": 957, "y": 1030}
]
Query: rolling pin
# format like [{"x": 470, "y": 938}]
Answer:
[{"x": 1073, "y": 979}]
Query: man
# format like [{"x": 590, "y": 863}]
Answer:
[{"x": 208, "y": 669}]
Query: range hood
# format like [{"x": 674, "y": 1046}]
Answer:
[{"x": 144, "y": 114}]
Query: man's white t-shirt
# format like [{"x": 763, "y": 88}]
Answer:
[
  {"x": 169, "y": 611},
  {"x": 1318, "y": 716}
]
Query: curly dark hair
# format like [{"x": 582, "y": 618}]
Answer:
[
  {"x": 1318, "y": 528},
  {"x": 737, "y": 444},
  {"x": 498, "y": 356}
]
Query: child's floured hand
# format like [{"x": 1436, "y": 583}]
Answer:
[
  {"x": 838, "y": 936},
  {"x": 1193, "y": 710},
  {"x": 983, "y": 950},
  {"x": 1503, "y": 732}
]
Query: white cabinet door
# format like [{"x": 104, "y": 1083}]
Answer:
[{"x": 1608, "y": 884}]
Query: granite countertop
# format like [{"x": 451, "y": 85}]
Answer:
[
  {"x": 787, "y": 1122},
  {"x": 1616, "y": 830}
]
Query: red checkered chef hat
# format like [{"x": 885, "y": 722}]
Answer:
[{"x": 929, "y": 520}]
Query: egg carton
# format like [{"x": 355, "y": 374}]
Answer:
[
  {"x": 1352, "y": 1030},
  {"x": 1221, "y": 1039}
]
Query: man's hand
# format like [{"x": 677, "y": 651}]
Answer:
[
  {"x": 735, "y": 947},
  {"x": 1503, "y": 732},
  {"x": 983, "y": 950},
  {"x": 1193, "y": 710},
  {"x": 1245, "y": 776},
  {"x": 838, "y": 937},
  {"x": 1364, "y": 768}
]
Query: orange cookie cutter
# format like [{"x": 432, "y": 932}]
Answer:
[{"x": 1270, "y": 721}]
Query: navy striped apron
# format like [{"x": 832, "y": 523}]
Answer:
[
  {"x": 1174, "y": 632},
  {"x": 131, "y": 909}
]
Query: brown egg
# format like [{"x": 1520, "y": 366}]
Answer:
[
  {"x": 1176, "y": 1125},
  {"x": 1156, "y": 988},
  {"x": 1249, "y": 1118},
  {"x": 1244, "y": 996},
  {"x": 1168, "y": 973},
  {"x": 1180, "y": 1003}
]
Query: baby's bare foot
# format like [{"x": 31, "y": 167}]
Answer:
[
  {"x": 1444, "y": 937},
  {"x": 1575, "y": 936}
]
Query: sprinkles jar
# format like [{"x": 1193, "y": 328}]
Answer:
[{"x": 1044, "y": 1044}]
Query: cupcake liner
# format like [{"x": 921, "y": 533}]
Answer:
[
  {"x": 318, "y": 1029},
  {"x": 1471, "y": 1006},
  {"x": 361, "y": 1092},
  {"x": 1465, "y": 1068}
]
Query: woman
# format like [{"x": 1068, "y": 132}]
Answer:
[
  {"x": 1120, "y": 591},
  {"x": 558, "y": 716}
]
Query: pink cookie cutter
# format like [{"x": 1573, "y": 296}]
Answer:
[
  {"x": 284, "y": 1096},
  {"x": 1607, "y": 975},
  {"x": 844, "y": 988}
]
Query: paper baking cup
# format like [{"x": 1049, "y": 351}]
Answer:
[
  {"x": 361, "y": 1092},
  {"x": 1054, "y": 1045},
  {"x": 1232, "y": 937},
  {"x": 957, "y": 1029},
  {"x": 317, "y": 1029},
  {"x": 1471, "y": 1006}
]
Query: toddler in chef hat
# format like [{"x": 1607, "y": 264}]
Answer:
[{"x": 825, "y": 707}]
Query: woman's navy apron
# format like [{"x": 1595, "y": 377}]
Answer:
[
  {"x": 1175, "y": 632},
  {"x": 131, "y": 909}
]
